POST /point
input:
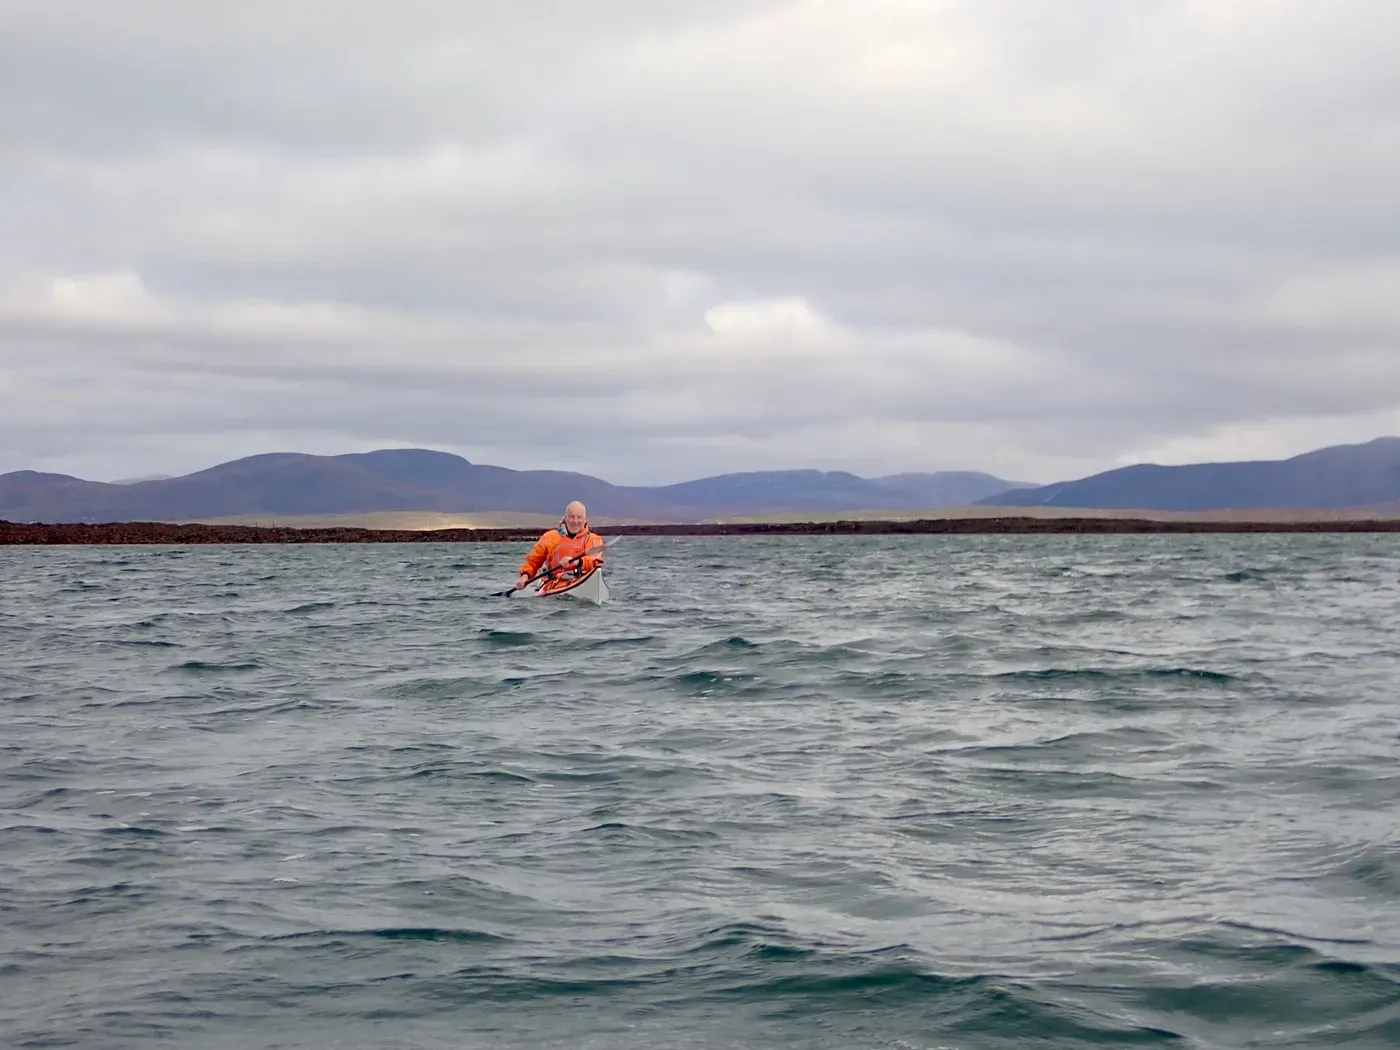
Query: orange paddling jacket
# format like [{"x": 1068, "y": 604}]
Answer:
[{"x": 556, "y": 547}]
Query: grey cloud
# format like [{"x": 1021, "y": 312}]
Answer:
[{"x": 1179, "y": 217}]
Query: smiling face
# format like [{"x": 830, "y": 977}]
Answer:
[{"x": 575, "y": 517}]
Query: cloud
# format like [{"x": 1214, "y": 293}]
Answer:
[
  {"x": 650, "y": 240},
  {"x": 1357, "y": 298}
]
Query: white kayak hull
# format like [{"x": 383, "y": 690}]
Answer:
[{"x": 590, "y": 587}]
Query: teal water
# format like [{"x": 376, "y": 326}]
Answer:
[{"x": 915, "y": 793}]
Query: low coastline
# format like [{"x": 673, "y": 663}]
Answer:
[{"x": 117, "y": 533}]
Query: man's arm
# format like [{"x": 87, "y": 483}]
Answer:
[{"x": 531, "y": 565}]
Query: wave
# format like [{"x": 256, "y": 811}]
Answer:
[
  {"x": 388, "y": 933},
  {"x": 213, "y": 667},
  {"x": 308, "y": 607},
  {"x": 711, "y": 683},
  {"x": 271, "y": 707},
  {"x": 1115, "y": 674},
  {"x": 1249, "y": 575},
  {"x": 646, "y": 833},
  {"x": 495, "y": 636}
]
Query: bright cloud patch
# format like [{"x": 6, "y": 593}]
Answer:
[{"x": 777, "y": 319}]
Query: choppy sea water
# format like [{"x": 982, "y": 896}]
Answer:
[{"x": 914, "y": 793}]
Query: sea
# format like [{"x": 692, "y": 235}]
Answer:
[{"x": 908, "y": 793}]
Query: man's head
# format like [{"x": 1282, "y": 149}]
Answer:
[{"x": 575, "y": 517}]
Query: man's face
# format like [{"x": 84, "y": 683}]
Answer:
[{"x": 574, "y": 519}]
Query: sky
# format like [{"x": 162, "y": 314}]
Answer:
[{"x": 654, "y": 240}]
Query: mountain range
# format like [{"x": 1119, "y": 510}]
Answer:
[
  {"x": 1337, "y": 477},
  {"x": 293, "y": 484},
  {"x": 422, "y": 480}
]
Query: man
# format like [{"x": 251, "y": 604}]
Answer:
[{"x": 570, "y": 549}]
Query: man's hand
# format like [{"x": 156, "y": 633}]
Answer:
[{"x": 524, "y": 579}]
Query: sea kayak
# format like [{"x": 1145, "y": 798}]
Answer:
[{"x": 587, "y": 588}]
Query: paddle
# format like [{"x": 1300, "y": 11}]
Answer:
[
  {"x": 545, "y": 573},
  {"x": 542, "y": 574}
]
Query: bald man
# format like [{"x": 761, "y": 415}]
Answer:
[{"x": 568, "y": 550}]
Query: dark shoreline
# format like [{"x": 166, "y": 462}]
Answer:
[{"x": 160, "y": 533}]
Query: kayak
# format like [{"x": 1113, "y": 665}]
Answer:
[{"x": 589, "y": 587}]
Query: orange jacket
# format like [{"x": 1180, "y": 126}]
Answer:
[{"x": 556, "y": 546}]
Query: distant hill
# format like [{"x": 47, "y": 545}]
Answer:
[
  {"x": 779, "y": 490},
  {"x": 293, "y": 484},
  {"x": 1341, "y": 476},
  {"x": 949, "y": 488}
]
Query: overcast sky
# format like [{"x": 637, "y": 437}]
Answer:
[{"x": 653, "y": 239}]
